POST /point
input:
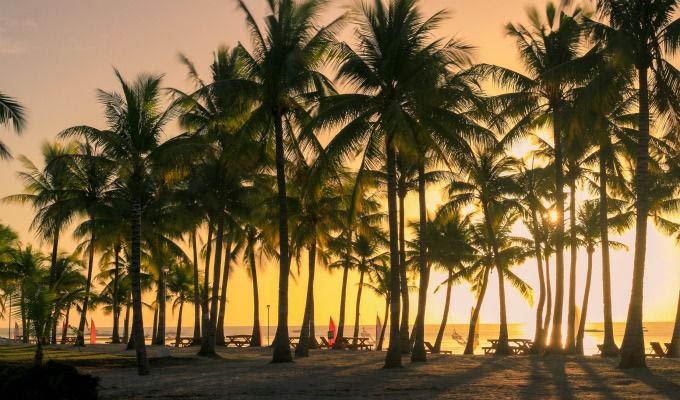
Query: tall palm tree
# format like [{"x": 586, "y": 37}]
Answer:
[
  {"x": 384, "y": 116},
  {"x": 180, "y": 286},
  {"x": 282, "y": 76},
  {"x": 550, "y": 51},
  {"x": 132, "y": 141},
  {"x": 642, "y": 33},
  {"x": 11, "y": 112},
  {"x": 380, "y": 285}
]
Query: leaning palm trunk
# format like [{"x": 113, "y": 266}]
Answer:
[
  {"x": 223, "y": 295},
  {"x": 338, "y": 344},
  {"x": 126, "y": 327},
  {"x": 281, "y": 341},
  {"x": 80, "y": 339},
  {"x": 355, "y": 336},
  {"x": 674, "y": 351},
  {"x": 154, "y": 327},
  {"x": 256, "y": 340},
  {"x": 418, "y": 352},
  {"x": 302, "y": 349},
  {"x": 381, "y": 339},
  {"x": 570, "y": 345},
  {"x": 160, "y": 333},
  {"x": 197, "y": 293},
  {"x": 115, "y": 336},
  {"x": 555, "y": 344},
  {"x": 403, "y": 329},
  {"x": 502, "y": 347},
  {"x": 548, "y": 287},
  {"x": 470, "y": 345},
  {"x": 64, "y": 331},
  {"x": 584, "y": 307},
  {"x": 178, "y": 334},
  {"x": 393, "y": 357},
  {"x": 210, "y": 341},
  {"x": 445, "y": 317},
  {"x": 137, "y": 321},
  {"x": 205, "y": 298},
  {"x": 609, "y": 346},
  {"x": 53, "y": 276},
  {"x": 539, "y": 336},
  {"x": 633, "y": 346}
]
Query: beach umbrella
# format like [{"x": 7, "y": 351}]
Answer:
[{"x": 331, "y": 332}]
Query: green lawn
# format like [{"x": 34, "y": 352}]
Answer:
[{"x": 75, "y": 357}]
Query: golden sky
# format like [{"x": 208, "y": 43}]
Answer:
[{"x": 53, "y": 55}]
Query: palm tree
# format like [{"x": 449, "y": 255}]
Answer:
[
  {"x": 180, "y": 285},
  {"x": 282, "y": 76},
  {"x": 133, "y": 142},
  {"x": 380, "y": 285},
  {"x": 642, "y": 33},
  {"x": 549, "y": 49},
  {"x": 11, "y": 112},
  {"x": 489, "y": 185},
  {"x": 588, "y": 236},
  {"x": 386, "y": 114}
]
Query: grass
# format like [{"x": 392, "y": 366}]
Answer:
[{"x": 22, "y": 355}]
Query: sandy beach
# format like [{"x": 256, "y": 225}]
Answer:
[{"x": 247, "y": 373}]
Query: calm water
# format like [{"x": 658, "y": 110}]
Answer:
[{"x": 655, "y": 332}]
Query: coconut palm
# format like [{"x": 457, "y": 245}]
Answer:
[
  {"x": 132, "y": 141},
  {"x": 11, "y": 112},
  {"x": 550, "y": 50},
  {"x": 642, "y": 33},
  {"x": 380, "y": 285},
  {"x": 282, "y": 76},
  {"x": 180, "y": 286}
]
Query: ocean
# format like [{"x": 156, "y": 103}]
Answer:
[{"x": 654, "y": 332}]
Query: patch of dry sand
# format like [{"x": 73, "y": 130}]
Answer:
[{"x": 247, "y": 373}]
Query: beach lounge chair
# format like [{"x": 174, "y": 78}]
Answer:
[
  {"x": 657, "y": 350},
  {"x": 600, "y": 348},
  {"x": 324, "y": 343},
  {"x": 430, "y": 349}
]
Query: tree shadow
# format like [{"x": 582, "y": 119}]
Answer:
[
  {"x": 658, "y": 383},
  {"x": 538, "y": 381},
  {"x": 556, "y": 367},
  {"x": 598, "y": 380}
]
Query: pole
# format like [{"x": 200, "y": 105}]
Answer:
[{"x": 267, "y": 325}]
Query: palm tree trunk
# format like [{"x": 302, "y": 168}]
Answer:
[
  {"x": 548, "y": 292},
  {"x": 403, "y": 329},
  {"x": 539, "y": 335},
  {"x": 674, "y": 351},
  {"x": 223, "y": 295},
  {"x": 381, "y": 340},
  {"x": 80, "y": 339},
  {"x": 418, "y": 353},
  {"x": 393, "y": 357},
  {"x": 302, "y": 349},
  {"x": 178, "y": 334},
  {"x": 281, "y": 341},
  {"x": 313, "y": 343},
  {"x": 445, "y": 316},
  {"x": 154, "y": 329},
  {"x": 555, "y": 344},
  {"x": 137, "y": 321},
  {"x": 115, "y": 336},
  {"x": 208, "y": 345},
  {"x": 197, "y": 293},
  {"x": 609, "y": 346},
  {"x": 570, "y": 346},
  {"x": 584, "y": 307},
  {"x": 24, "y": 324},
  {"x": 256, "y": 340},
  {"x": 470, "y": 345},
  {"x": 633, "y": 346},
  {"x": 357, "y": 313},
  {"x": 126, "y": 321},
  {"x": 338, "y": 344},
  {"x": 205, "y": 306},
  {"x": 64, "y": 331},
  {"x": 162, "y": 298},
  {"x": 53, "y": 274},
  {"x": 38, "y": 358},
  {"x": 502, "y": 347}
]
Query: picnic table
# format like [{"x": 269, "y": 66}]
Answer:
[
  {"x": 294, "y": 341},
  {"x": 183, "y": 342},
  {"x": 517, "y": 346},
  {"x": 361, "y": 343},
  {"x": 238, "y": 340},
  {"x": 69, "y": 340}
]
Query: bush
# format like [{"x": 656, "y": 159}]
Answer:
[{"x": 52, "y": 381}]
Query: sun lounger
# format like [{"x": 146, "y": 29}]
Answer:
[
  {"x": 657, "y": 350},
  {"x": 430, "y": 349}
]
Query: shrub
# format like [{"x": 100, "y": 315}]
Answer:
[{"x": 52, "y": 381}]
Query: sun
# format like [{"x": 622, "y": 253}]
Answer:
[{"x": 554, "y": 217}]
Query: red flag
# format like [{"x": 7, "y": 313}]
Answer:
[
  {"x": 93, "y": 332},
  {"x": 331, "y": 332}
]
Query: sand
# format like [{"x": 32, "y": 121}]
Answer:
[{"x": 247, "y": 373}]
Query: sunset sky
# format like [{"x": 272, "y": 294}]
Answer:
[{"x": 53, "y": 55}]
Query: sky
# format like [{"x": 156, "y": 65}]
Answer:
[{"x": 53, "y": 55}]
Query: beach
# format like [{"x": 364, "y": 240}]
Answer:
[{"x": 248, "y": 373}]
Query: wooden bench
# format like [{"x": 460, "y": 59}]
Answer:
[
  {"x": 183, "y": 342},
  {"x": 430, "y": 349},
  {"x": 238, "y": 340}
]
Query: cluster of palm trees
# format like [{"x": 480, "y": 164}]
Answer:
[{"x": 412, "y": 113}]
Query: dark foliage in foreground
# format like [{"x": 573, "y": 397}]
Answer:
[{"x": 50, "y": 381}]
